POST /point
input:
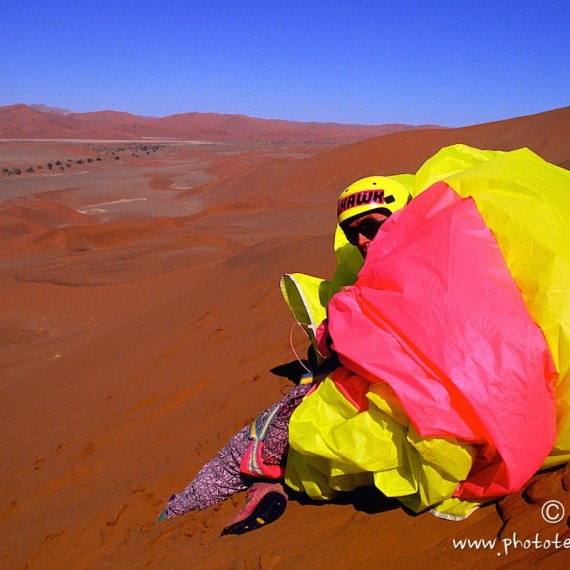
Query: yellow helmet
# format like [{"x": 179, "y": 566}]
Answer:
[{"x": 374, "y": 193}]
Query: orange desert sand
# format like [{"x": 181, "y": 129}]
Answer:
[{"x": 142, "y": 325}]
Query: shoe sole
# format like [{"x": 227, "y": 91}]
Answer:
[{"x": 269, "y": 509}]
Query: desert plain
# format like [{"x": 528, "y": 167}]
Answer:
[{"x": 141, "y": 325}]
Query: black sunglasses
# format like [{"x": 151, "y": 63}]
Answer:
[{"x": 368, "y": 228}]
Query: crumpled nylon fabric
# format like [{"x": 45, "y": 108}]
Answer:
[
  {"x": 458, "y": 374},
  {"x": 337, "y": 446},
  {"x": 437, "y": 316},
  {"x": 525, "y": 202}
]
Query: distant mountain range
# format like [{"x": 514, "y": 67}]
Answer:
[{"x": 42, "y": 122}]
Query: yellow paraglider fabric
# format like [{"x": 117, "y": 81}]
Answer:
[
  {"x": 307, "y": 298},
  {"x": 344, "y": 448}
]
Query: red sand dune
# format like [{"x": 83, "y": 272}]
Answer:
[{"x": 132, "y": 345}]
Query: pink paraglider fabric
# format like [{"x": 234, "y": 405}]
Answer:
[{"x": 436, "y": 315}]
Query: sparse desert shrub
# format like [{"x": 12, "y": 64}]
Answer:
[
  {"x": 49, "y": 165},
  {"x": 6, "y": 172},
  {"x": 116, "y": 158},
  {"x": 89, "y": 160},
  {"x": 98, "y": 159},
  {"x": 80, "y": 161},
  {"x": 30, "y": 169},
  {"x": 17, "y": 171},
  {"x": 58, "y": 163}
]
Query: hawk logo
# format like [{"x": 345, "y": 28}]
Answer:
[{"x": 360, "y": 199}]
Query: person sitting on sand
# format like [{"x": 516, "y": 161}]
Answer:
[
  {"x": 259, "y": 452},
  {"x": 451, "y": 387}
]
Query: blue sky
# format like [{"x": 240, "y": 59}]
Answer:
[{"x": 454, "y": 62}]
